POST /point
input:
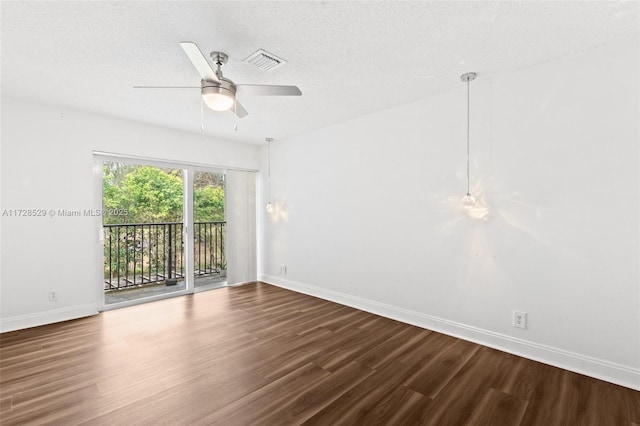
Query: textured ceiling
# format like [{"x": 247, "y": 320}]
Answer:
[{"x": 348, "y": 58}]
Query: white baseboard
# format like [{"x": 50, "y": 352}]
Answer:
[
  {"x": 241, "y": 283},
  {"x": 47, "y": 317},
  {"x": 582, "y": 364}
]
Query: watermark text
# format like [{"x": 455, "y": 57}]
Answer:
[{"x": 63, "y": 212}]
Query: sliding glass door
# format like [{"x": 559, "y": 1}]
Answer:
[
  {"x": 143, "y": 225},
  {"x": 209, "y": 230}
]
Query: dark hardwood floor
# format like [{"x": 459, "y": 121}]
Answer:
[{"x": 261, "y": 355}]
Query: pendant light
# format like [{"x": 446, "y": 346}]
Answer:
[
  {"x": 474, "y": 205},
  {"x": 269, "y": 205},
  {"x": 468, "y": 201}
]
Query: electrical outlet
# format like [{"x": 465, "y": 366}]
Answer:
[
  {"x": 53, "y": 296},
  {"x": 283, "y": 270},
  {"x": 519, "y": 319}
]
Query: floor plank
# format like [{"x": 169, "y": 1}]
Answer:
[
  {"x": 312, "y": 399},
  {"x": 356, "y": 404},
  {"x": 396, "y": 408},
  {"x": 497, "y": 408}
]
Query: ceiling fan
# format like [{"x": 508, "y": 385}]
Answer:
[{"x": 219, "y": 93}]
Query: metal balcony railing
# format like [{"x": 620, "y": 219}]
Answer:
[{"x": 139, "y": 254}]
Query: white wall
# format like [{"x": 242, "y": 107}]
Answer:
[
  {"x": 373, "y": 218},
  {"x": 47, "y": 163}
]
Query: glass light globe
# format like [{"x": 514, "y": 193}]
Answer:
[
  {"x": 269, "y": 207},
  {"x": 468, "y": 201},
  {"x": 218, "y": 101}
]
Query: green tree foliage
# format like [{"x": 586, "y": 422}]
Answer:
[
  {"x": 151, "y": 194},
  {"x": 208, "y": 204}
]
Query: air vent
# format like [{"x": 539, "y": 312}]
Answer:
[{"x": 264, "y": 60}]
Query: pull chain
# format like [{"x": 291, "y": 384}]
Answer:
[
  {"x": 235, "y": 111},
  {"x": 201, "y": 114}
]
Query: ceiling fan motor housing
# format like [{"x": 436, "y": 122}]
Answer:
[{"x": 224, "y": 86}]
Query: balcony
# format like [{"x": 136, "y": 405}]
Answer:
[{"x": 143, "y": 259}]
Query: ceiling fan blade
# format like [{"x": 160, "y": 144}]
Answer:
[
  {"x": 239, "y": 109},
  {"x": 166, "y": 87},
  {"x": 199, "y": 61},
  {"x": 266, "y": 90}
]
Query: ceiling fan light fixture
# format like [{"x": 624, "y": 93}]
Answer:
[
  {"x": 218, "y": 95},
  {"x": 218, "y": 98},
  {"x": 218, "y": 101}
]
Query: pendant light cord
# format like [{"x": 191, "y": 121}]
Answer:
[
  {"x": 468, "y": 178},
  {"x": 269, "y": 167}
]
